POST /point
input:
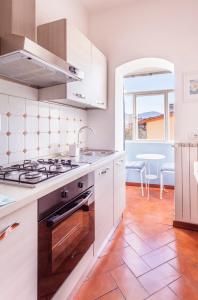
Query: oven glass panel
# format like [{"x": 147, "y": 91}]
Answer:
[
  {"x": 61, "y": 247},
  {"x": 67, "y": 235}
]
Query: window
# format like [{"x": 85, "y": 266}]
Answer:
[
  {"x": 149, "y": 116},
  {"x": 129, "y": 134}
]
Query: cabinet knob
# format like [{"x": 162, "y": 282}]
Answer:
[
  {"x": 80, "y": 185},
  {"x": 64, "y": 194}
]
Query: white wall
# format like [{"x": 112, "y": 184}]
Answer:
[
  {"x": 50, "y": 10},
  {"x": 155, "y": 28}
]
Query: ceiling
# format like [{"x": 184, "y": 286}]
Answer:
[{"x": 95, "y": 6}]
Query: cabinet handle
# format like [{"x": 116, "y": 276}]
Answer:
[
  {"x": 104, "y": 171},
  {"x": 8, "y": 230},
  {"x": 80, "y": 95},
  {"x": 119, "y": 163},
  {"x": 101, "y": 103}
]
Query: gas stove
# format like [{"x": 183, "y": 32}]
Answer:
[{"x": 30, "y": 173}]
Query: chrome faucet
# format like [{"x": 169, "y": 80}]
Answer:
[{"x": 80, "y": 130}]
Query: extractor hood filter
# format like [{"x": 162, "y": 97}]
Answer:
[
  {"x": 24, "y": 68},
  {"x": 26, "y": 62}
]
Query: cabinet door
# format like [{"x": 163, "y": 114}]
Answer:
[
  {"x": 18, "y": 255},
  {"x": 79, "y": 55},
  {"x": 119, "y": 188},
  {"x": 98, "y": 88},
  {"x": 103, "y": 205}
]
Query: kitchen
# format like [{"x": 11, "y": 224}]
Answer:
[
  {"x": 62, "y": 173},
  {"x": 42, "y": 161}
]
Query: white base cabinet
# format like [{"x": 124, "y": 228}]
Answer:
[
  {"x": 103, "y": 204},
  {"x": 119, "y": 188},
  {"x": 18, "y": 255}
]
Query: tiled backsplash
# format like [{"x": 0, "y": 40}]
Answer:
[{"x": 32, "y": 129}]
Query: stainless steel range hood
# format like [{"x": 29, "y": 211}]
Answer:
[{"x": 24, "y": 61}]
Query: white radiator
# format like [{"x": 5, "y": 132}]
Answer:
[{"x": 186, "y": 193}]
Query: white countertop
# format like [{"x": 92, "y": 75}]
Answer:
[{"x": 25, "y": 195}]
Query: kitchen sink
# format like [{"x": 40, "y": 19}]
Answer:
[
  {"x": 99, "y": 153},
  {"x": 91, "y": 156}
]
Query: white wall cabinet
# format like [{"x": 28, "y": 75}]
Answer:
[
  {"x": 119, "y": 188},
  {"x": 103, "y": 204},
  {"x": 79, "y": 55},
  {"x": 98, "y": 87},
  {"x": 18, "y": 259},
  {"x": 74, "y": 47}
]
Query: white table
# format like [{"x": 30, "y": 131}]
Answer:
[{"x": 148, "y": 158}]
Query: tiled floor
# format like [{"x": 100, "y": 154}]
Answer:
[{"x": 146, "y": 257}]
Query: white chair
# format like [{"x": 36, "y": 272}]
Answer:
[
  {"x": 140, "y": 167},
  {"x": 165, "y": 168}
]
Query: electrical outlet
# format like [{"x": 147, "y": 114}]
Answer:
[{"x": 194, "y": 135}]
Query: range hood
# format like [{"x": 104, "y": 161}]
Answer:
[{"x": 24, "y": 61}]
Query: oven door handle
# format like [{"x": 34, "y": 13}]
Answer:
[{"x": 53, "y": 220}]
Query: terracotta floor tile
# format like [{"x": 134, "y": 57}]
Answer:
[
  {"x": 164, "y": 294},
  {"x": 184, "y": 289},
  {"x": 161, "y": 240},
  {"x": 106, "y": 263},
  {"x": 188, "y": 266},
  {"x": 148, "y": 230},
  {"x": 158, "y": 278},
  {"x": 137, "y": 244},
  {"x": 159, "y": 256},
  {"x": 121, "y": 231},
  {"x": 173, "y": 246},
  {"x": 114, "y": 295},
  {"x": 96, "y": 287},
  {"x": 146, "y": 224},
  {"x": 114, "y": 245},
  {"x": 128, "y": 284},
  {"x": 134, "y": 262}
]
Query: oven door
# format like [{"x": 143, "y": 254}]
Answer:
[{"x": 64, "y": 237}]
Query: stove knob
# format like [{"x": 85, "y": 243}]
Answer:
[
  {"x": 80, "y": 185},
  {"x": 64, "y": 194},
  {"x": 69, "y": 161}
]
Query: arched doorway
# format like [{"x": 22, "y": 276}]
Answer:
[{"x": 136, "y": 66}]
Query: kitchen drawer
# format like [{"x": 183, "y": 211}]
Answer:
[{"x": 18, "y": 255}]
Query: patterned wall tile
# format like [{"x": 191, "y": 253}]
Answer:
[
  {"x": 32, "y": 108},
  {"x": 4, "y": 104},
  {"x": 16, "y": 157},
  {"x": 44, "y": 110},
  {"x": 32, "y": 129},
  {"x": 44, "y": 124},
  {"x": 16, "y": 142},
  {"x": 32, "y": 124},
  {"x": 16, "y": 124},
  {"x": 16, "y": 106}
]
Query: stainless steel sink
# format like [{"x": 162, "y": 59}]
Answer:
[
  {"x": 91, "y": 156},
  {"x": 100, "y": 153}
]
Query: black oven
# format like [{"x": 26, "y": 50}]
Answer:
[{"x": 65, "y": 232}]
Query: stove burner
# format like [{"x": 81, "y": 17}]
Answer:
[
  {"x": 33, "y": 175},
  {"x": 33, "y": 172}
]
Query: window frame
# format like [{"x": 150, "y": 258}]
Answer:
[{"x": 135, "y": 118}]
